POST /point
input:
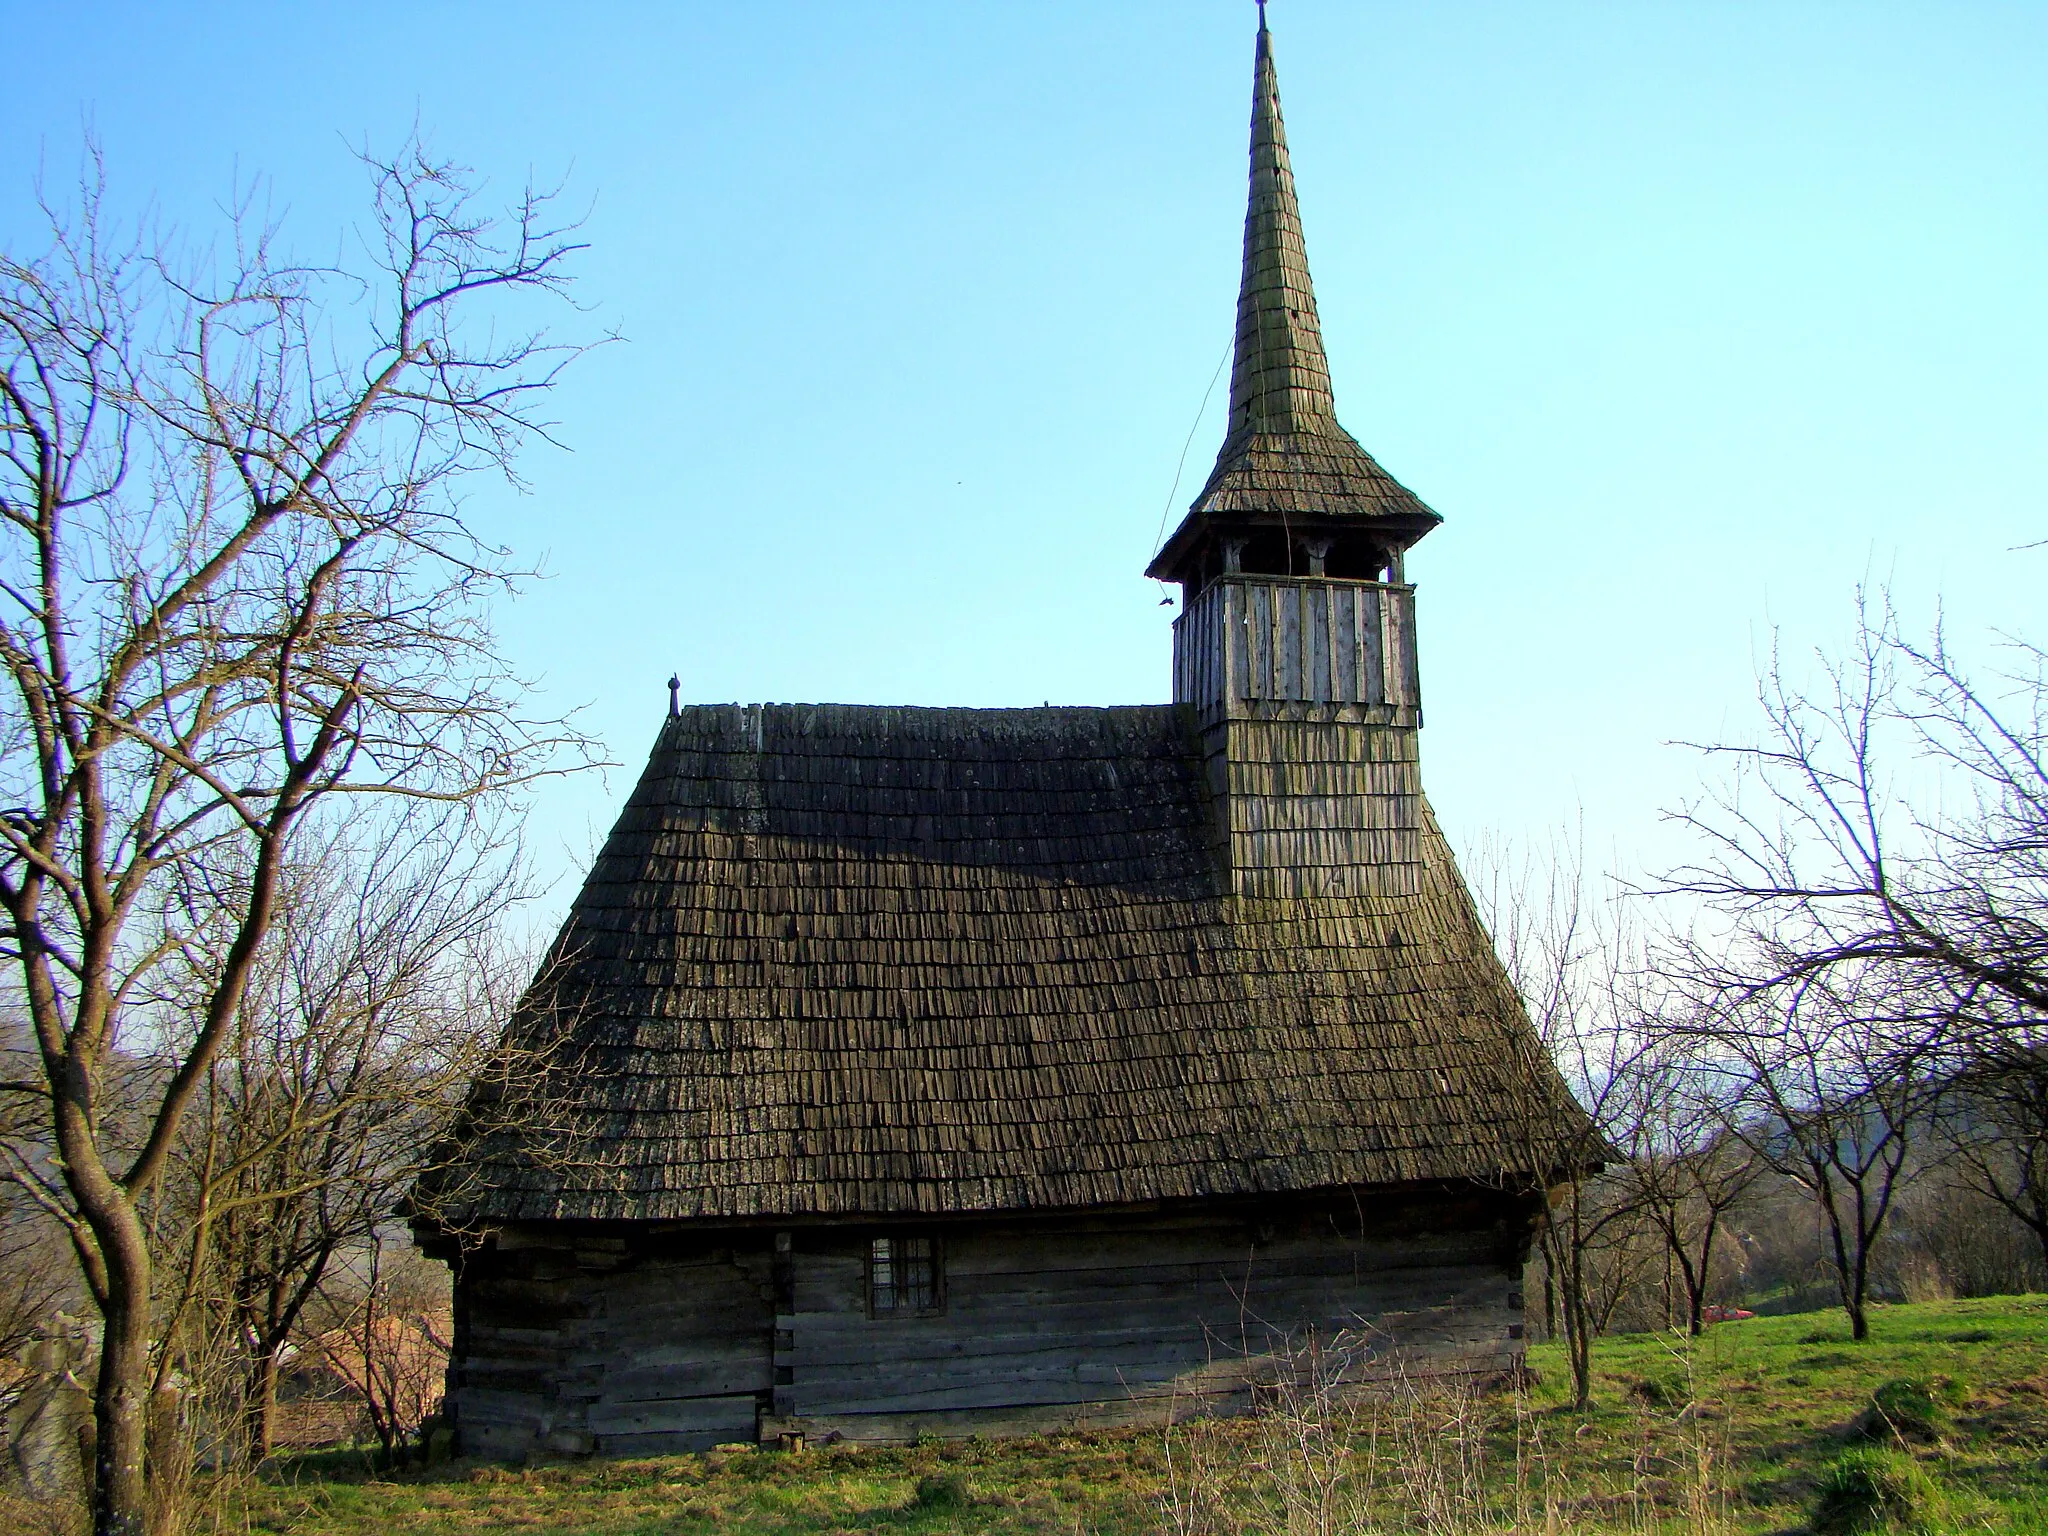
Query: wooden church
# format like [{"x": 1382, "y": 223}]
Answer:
[{"x": 991, "y": 1070}]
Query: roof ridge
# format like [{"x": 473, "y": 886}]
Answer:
[{"x": 702, "y": 708}]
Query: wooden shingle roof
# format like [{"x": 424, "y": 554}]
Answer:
[
  {"x": 1284, "y": 452},
  {"x": 838, "y": 959}
]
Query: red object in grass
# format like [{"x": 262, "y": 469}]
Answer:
[{"x": 1719, "y": 1314}]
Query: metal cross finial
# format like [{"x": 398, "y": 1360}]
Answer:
[
  {"x": 675, "y": 693},
  {"x": 1262, "y": 15}
]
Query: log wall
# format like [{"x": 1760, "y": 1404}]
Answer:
[
  {"x": 623, "y": 1346},
  {"x": 1084, "y": 1321}
]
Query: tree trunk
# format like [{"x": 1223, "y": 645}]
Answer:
[
  {"x": 1696, "y": 1282},
  {"x": 1578, "y": 1321},
  {"x": 259, "y": 1407},
  {"x": 120, "y": 1494},
  {"x": 1849, "y": 1275},
  {"x": 120, "y": 1272},
  {"x": 1581, "y": 1345}
]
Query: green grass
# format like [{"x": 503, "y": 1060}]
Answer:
[
  {"x": 1773, "y": 1403},
  {"x": 1790, "y": 1394}
]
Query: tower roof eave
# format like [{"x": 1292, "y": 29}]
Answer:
[{"x": 1295, "y": 476}]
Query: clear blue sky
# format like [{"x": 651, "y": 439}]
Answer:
[{"x": 1685, "y": 316}]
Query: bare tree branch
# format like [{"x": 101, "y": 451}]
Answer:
[{"x": 240, "y": 589}]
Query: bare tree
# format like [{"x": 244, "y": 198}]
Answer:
[
  {"x": 1622, "y": 1251},
  {"x": 1874, "y": 881},
  {"x": 36, "y": 1275},
  {"x": 380, "y": 998},
  {"x": 1687, "y": 1170},
  {"x": 388, "y": 1336},
  {"x": 1564, "y": 1089},
  {"x": 242, "y": 595},
  {"x": 1829, "y": 1093},
  {"x": 1895, "y": 814},
  {"x": 1994, "y": 1117}
]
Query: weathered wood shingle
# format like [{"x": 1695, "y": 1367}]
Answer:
[{"x": 839, "y": 959}]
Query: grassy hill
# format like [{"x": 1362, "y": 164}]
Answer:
[{"x": 1735, "y": 1434}]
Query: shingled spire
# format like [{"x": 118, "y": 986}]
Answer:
[
  {"x": 1284, "y": 458},
  {"x": 1279, "y": 378}
]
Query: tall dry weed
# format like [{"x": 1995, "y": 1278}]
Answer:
[{"x": 1340, "y": 1443}]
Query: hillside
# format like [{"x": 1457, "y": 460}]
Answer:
[{"x": 1760, "y": 1407}]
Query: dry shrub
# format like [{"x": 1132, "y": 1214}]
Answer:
[
  {"x": 1342, "y": 1444},
  {"x": 1332, "y": 1458},
  {"x": 41, "y": 1517}
]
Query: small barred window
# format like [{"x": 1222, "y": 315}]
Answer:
[{"x": 903, "y": 1275}]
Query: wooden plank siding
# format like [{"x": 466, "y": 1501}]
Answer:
[
  {"x": 1110, "y": 1323},
  {"x": 1250, "y": 640},
  {"x": 643, "y": 1348},
  {"x": 1113, "y": 1333}
]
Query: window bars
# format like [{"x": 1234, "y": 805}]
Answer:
[{"x": 903, "y": 1276}]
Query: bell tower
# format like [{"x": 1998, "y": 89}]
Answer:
[{"x": 1295, "y": 644}]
